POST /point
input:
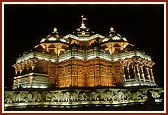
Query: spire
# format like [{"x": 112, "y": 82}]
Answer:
[{"x": 83, "y": 24}]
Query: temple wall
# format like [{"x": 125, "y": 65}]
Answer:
[{"x": 90, "y": 73}]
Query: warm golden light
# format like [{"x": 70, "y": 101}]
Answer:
[{"x": 84, "y": 61}]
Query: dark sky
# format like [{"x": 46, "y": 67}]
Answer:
[{"x": 25, "y": 25}]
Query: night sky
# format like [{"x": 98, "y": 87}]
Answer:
[{"x": 26, "y": 25}]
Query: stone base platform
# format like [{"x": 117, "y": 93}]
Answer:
[{"x": 82, "y": 99}]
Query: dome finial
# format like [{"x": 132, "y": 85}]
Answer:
[
  {"x": 83, "y": 18},
  {"x": 54, "y": 33},
  {"x": 112, "y": 32},
  {"x": 111, "y": 29},
  {"x": 54, "y": 30}
]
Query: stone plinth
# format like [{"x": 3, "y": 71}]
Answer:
[{"x": 78, "y": 97}]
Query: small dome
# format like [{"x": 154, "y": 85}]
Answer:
[
  {"x": 83, "y": 32},
  {"x": 53, "y": 37},
  {"x": 54, "y": 33},
  {"x": 114, "y": 37}
]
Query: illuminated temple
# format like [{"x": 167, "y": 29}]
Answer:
[{"x": 84, "y": 60}]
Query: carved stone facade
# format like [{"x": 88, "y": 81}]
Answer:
[
  {"x": 83, "y": 59},
  {"x": 137, "y": 69},
  {"x": 90, "y": 73}
]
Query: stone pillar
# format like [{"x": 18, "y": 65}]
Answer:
[
  {"x": 33, "y": 63},
  {"x": 151, "y": 74},
  {"x": 26, "y": 64},
  {"x": 20, "y": 68},
  {"x": 148, "y": 75},
  {"x": 124, "y": 64},
  {"x": 134, "y": 72},
  {"x": 16, "y": 68},
  {"x": 137, "y": 68},
  {"x": 128, "y": 70},
  {"x": 123, "y": 67},
  {"x": 142, "y": 73}
]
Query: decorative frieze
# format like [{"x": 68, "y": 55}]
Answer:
[{"x": 79, "y": 97}]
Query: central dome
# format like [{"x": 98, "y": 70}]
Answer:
[{"x": 83, "y": 31}]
